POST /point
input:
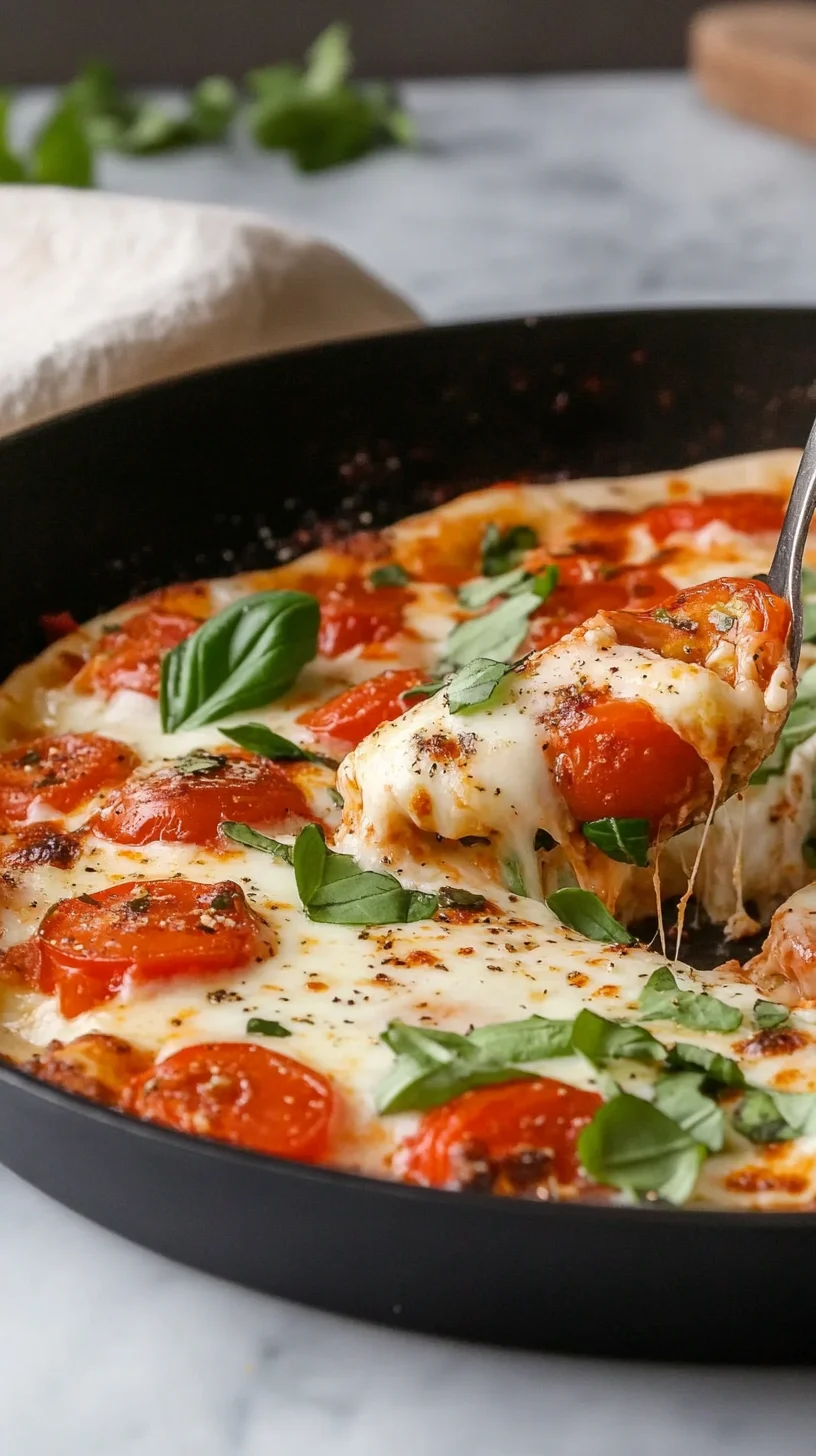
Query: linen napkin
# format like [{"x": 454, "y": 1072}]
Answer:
[{"x": 100, "y": 293}]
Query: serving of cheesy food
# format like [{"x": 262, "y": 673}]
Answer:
[{"x": 344, "y": 862}]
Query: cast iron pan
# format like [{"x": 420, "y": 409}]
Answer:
[{"x": 215, "y": 473}]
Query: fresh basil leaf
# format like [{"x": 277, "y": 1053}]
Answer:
[
  {"x": 502, "y": 550},
  {"x": 634, "y": 1146},
  {"x": 242, "y": 834},
  {"x": 61, "y": 155},
  {"x": 662, "y": 1000},
  {"x": 581, "y": 910},
  {"x": 257, "y": 738},
  {"x": 483, "y": 589},
  {"x": 477, "y": 686},
  {"x": 601, "y": 1041},
  {"x": 245, "y": 656},
  {"x": 769, "y": 1014},
  {"x": 496, "y": 634},
  {"x": 535, "y": 1039},
  {"x": 767, "y": 1116},
  {"x": 679, "y": 1096},
  {"x": 426, "y": 1043},
  {"x": 335, "y": 891},
  {"x": 259, "y": 1026},
  {"x": 335, "y": 796},
  {"x": 513, "y": 877},
  {"x": 799, "y": 726},
  {"x": 544, "y": 840},
  {"x": 11, "y": 167},
  {"x": 424, "y": 690},
  {"x": 685, "y": 1057},
  {"x": 329, "y": 61},
  {"x": 391, "y": 575},
  {"x": 624, "y": 840},
  {"x": 451, "y": 898},
  {"x": 213, "y": 104},
  {"x": 199, "y": 762}
]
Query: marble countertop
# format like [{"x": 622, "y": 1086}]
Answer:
[{"x": 528, "y": 195}]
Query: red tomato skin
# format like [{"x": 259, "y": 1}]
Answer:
[
  {"x": 238, "y": 1093},
  {"x": 129, "y": 656},
  {"x": 616, "y": 759},
  {"x": 61, "y": 771},
  {"x": 495, "y": 1127},
  {"x": 352, "y": 715},
  {"x": 353, "y": 614},
  {"x": 587, "y": 585},
  {"x": 188, "y": 808},
  {"x": 750, "y": 511},
  {"x": 89, "y": 948}
]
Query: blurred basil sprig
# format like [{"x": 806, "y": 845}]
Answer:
[{"x": 313, "y": 112}]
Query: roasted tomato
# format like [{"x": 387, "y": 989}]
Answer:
[
  {"x": 129, "y": 654},
  {"x": 616, "y": 759},
  {"x": 587, "y": 585},
  {"x": 354, "y": 614},
  {"x": 351, "y": 716},
  {"x": 60, "y": 773},
  {"x": 42, "y": 843},
  {"x": 94, "y": 1066},
  {"x": 185, "y": 800},
  {"x": 136, "y": 934},
  {"x": 238, "y": 1093},
  {"x": 745, "y": 510},
  {"x": 517, "y": 1137}
]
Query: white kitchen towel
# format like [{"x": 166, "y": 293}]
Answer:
[{"x": 100, "y": 293}]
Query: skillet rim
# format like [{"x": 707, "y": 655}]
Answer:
[{"x": 704, "y": 1219}]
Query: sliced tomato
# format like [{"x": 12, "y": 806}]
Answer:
[
  {"x": 693, "y": 622},
  {"x": 750, "y": 511},
  {"x": 515, "y": 1137},
  {"x": 354, "y": 614},
  {"x": 135, "y": 934},
  {"x": 238, "y": 1093},
  {"x": 60, "y": 772},
  {"x": 129, "y": 654},
  {"x": 182, "y": 807},
  {"x": 351, "y": 716},
  {"x": 613, "y": 758}
]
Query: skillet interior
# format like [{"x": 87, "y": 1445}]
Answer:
[{"x": 215, "y": 473}]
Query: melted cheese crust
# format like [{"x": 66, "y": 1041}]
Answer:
[{"x": 336, "y": 987}]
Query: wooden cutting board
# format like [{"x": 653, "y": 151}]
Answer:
[{"x": 759, "y": 62}]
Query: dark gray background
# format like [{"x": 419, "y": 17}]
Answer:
[{"x": 180, "y": 40}]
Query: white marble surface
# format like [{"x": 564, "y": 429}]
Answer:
[{"x": 528, "y": 195}]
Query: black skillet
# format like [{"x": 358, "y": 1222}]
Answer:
[{"x": 213, "y": 474}]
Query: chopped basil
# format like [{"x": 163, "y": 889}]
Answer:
[
  {"x": 495, "y": 634},
  {"x": 242, "y": 834},
  {"x": 683, "y": 624},
  {"x": 451, "y": 898},
  {"x": 424, "y": 690},
  {"x": 513, "y": 877},
  {"x": 199, "y": 761},
  {"x": 685, "y": 1057},
  {"x": 335, "y": 796},
  {"x": 258, "y": 1026},
  {"x": 434, "y": 1066},
  {"x": 544, "y": 840},
  {"x": 769, "y": 1014},
  {"x": 391, "y": 575},
  {"x": 483, "y": 589},
  {"x": 681, "y": 1098},
  {"x": 800, "y": 725},
  {"x": 601, "y": 1041},
  {"x": 477, "y": 686},
  {"x": 624, "y": 840},
  {"x": 766, "y": 1116},
  {"x": 581, "y": 910},
  {"x": 502, "y": 550},
  {"x": 257, "y": 738},
  {"x": 545, "y": 582},
  {"x": 662, "y": 1000},
  {"x": 722, "y": 621},
  {"x": 243, "y": 657},
  {"x": 634, "y": 1146}
]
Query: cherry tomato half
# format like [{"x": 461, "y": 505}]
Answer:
[
  {"x": 129, "y": 654},
  {"x": 60, "y": 772},
  {"x": 354, "y": 614},
  {"x": 351, "y": 716}
]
